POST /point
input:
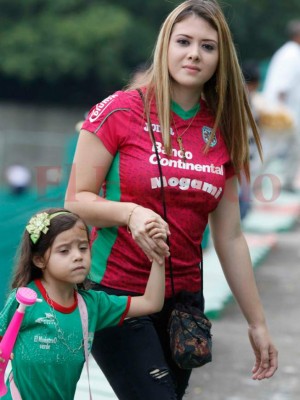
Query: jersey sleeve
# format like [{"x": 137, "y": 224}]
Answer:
[
  {"x": 110, "y": 120},
  {"x": 109, "y": 310}
]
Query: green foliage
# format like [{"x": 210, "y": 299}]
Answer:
[
  {"x": 46, "y": 43},
  {"x": 51, "y": 44},
  {"x": 259, "y": 26},
  {"x": 74, "y": 49}
]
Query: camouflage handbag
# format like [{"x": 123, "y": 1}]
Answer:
[{"x": 190, "y": 336}]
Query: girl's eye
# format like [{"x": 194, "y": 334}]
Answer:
[
  {"x": 64, "y": 251},
  {"x": 83, "y": 248}
]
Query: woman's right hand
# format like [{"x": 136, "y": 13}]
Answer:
[{"x": 141, "y": 223}]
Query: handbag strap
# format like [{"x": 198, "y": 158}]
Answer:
[
  {"x": 165, "y": 208},
  {"x": 84, "y": 321}
]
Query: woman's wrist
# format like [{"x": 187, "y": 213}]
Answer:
[{"x": 130, "y": 215}]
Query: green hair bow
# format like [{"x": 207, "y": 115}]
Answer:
[{"x": 40, "y": 224}]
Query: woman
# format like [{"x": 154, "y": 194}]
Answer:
[{"x": 195, "y": 100}]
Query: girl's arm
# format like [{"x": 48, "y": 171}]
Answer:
[
  {"x": 233, "y": 252},
  {"x": 91, "y": 163},
  {"x": 153, "y": 299}
]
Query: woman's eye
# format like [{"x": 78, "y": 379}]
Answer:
[
  {"x": 183, "y": 42},
  {"x": 208, "y": 47}
]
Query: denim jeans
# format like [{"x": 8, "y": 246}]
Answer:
[{"x": 135, "y": 357}]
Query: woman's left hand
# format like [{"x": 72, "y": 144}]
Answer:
[{"x": 266, "y": 354}]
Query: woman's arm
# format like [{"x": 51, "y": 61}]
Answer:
[
  {"x": 233, "y": 253},
  {"x": 91, "y": 163},
  {"x": 90, "y": 166}
]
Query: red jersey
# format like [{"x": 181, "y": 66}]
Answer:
[{"x": 193, "y": 188}]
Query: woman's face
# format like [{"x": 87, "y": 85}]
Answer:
[{"x": 193, "y": 54}]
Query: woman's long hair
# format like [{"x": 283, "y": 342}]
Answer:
[{"x": 225, "y": 93}]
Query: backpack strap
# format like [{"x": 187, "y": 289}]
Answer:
[
  {"x": 84, "y": 321},
  {"x": 14, "y": 391}
]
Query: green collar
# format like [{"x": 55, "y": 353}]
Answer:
[{"x": 182, "y": 113}]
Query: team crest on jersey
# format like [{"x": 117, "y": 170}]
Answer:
[{"x": 206, "y": 134}]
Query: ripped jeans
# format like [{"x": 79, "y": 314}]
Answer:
[{"x": 135, "y": 357}]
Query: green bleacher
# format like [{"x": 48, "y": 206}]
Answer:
[{"x": 16, "y": 210}]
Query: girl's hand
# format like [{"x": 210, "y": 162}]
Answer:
[
  {"x": 142, "y": 221},
  {"x": 266, "y": 355},
  {"x": 2, "y": 360}
]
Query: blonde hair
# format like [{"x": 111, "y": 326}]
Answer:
[{"x": 224, "y": 93}]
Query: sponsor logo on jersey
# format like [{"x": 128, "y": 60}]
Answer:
[
  {"x": 100, "y": 107},
  {"x": 206, "y": 134},
  {"x": 48, "y": 319}
]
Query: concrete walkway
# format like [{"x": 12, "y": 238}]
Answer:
[{"x": 228, "y": 377}]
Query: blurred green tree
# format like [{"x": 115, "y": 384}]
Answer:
[
  {"x": 77, "y": 51},
  {"x": 259, "y": 26},
  {"x": 47, "y": 44}
]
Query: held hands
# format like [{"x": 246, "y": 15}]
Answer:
[
  {"x": 266, "y": 355},
  {"x": 150, "y": 232}
]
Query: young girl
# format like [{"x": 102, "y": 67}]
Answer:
[
  {"x": 195, "y": 101},
  {"x": 54, "y": 259}
]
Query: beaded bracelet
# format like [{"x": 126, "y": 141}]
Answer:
[{"x": 129, "y": 217}]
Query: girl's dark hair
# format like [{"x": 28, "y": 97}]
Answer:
[{"x": 25, "y": 270}]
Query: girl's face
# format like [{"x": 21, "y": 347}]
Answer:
[
  {"x": 68, "y": 260},
  {"x": 193, "y": 54}
]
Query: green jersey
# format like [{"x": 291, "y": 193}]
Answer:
[{"x": 49, "y": 351}]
